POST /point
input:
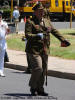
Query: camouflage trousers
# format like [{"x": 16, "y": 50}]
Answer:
[{"x": 39, "y": 65}]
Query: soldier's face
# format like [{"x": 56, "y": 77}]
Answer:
[{"x": 39, "y": 13}]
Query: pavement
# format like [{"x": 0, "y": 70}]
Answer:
[{"x": 57, "y": 67}]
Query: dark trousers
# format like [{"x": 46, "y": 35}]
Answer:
[
  {"x": 28, "y": 61},
  {"x": 39, "y": 63},
  {"x": 6, "y": 58}
]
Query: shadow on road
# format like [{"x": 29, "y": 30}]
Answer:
[
  {"x": 17, "y": 94},
  {"x": 15, "y": 66},
  {"x": 28, "y": 96},
  {"x": 53, "y": 73}
]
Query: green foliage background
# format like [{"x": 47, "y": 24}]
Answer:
[{"x": 15, "y": 42}]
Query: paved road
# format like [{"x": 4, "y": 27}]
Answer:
[
  {"x": 63, "y": 25},
  {"x": 15, "y": 87},
  {"x": 58, "y": 25}
]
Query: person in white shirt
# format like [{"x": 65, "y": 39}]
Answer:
[
  {"x": 3, "y": 31},
  {"x": 16, "y": 16}
]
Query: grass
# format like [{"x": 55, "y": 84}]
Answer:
[
  {"x": 14, "y": 42},
  {"x": 63, "y": 52}
]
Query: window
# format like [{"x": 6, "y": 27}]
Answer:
[
  {"x": 56, "y": 3},
  {"x": 73, "y": 4},
  {"x": 66, "y": 3}
]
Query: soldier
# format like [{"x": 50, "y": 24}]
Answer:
[{"x": 38, "y": 41}]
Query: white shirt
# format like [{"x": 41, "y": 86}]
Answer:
[
  {"x": 16, "y": 14},
  {"x": 3, "y": 30}
]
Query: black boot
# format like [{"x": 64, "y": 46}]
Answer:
[
  {"x": 33, "y": 92},
  {"x": 42, "y": 93}
]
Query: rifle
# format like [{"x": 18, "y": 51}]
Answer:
[{"x": 46, "y": 76}]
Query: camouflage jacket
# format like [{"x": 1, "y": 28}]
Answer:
[{"x": 35, "y": 44}]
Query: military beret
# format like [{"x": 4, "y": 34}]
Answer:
[{"x": 37, "y": 6}]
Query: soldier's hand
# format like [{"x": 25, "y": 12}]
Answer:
[
  {"x": 7, "y": 31},
  {"x": 65, "y": 43},
  {"x": 40, "y": 35}
]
